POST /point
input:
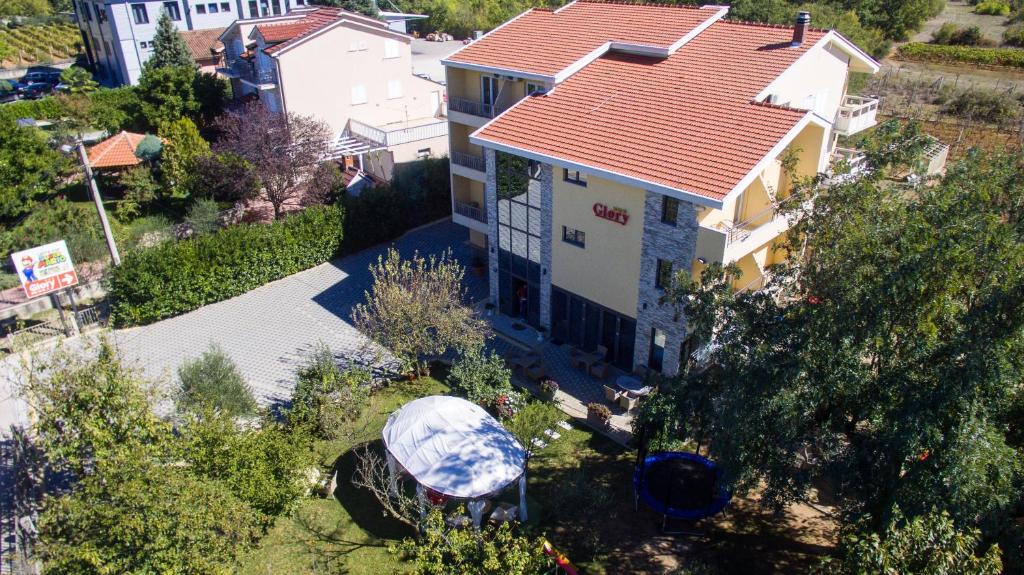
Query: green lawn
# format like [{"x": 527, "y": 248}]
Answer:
[{"x": 579, "y": 494}]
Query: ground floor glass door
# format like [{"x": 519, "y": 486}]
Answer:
[{"x": 585, "y": 324}]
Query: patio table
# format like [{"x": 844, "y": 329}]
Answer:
[{"x": 632, "y": 386}]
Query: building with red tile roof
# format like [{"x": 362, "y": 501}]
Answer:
[
  {"x": 601, "y": 148},
  {"x": 350, "y": 71},
  {"x": 205, "y": 47},
  {"x": 117, "y": 151}
]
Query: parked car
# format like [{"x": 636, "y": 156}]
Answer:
[
  {"x": 36, "y": 90},
  {"x": 39, "y": 76}
]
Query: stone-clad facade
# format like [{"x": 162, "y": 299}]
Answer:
[{"x": 676, "y": 243}]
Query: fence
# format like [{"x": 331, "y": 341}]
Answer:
[
  {"x": 66, "y": 325},
  {"x": 400, "y": 136}
]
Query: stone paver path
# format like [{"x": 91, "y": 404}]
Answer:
[{"x": 269, "y": 330}]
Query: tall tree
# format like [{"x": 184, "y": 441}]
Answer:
[
  {"x": 885, "y": 355},
  {"x": 166, "y": 94},
  {"x": 286, "y": 152},
  {"x": 415, "y": 308},
  {"x": 169, "y": 49},
  {"x": 183, "y": 146}
]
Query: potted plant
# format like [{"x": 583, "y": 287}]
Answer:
[
  {"x": 479, "y": 266},
  {"x": 599, "y": 414},
  {"x": 548, "y": 388}
]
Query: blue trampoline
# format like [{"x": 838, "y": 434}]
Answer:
[{"x": 680, "y": 485}]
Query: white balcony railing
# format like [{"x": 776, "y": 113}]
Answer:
[
  {"x": 471, "y": 161},
  {"x": 471, "y": 210},
  {"x": 388, "y": 138},
  {"x": 857, "y": 113}
]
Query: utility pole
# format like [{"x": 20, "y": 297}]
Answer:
[{"x": 95, "y": 191}]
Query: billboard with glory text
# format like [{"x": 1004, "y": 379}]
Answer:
[{"x": 45, "y": 269}]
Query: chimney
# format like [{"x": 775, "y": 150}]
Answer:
[{"x": 803, "y": 22}]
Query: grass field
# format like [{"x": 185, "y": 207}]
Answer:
[{"x": 580, "y": 497}]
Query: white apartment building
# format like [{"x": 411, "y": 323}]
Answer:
[{"x": 118, "y": 34}]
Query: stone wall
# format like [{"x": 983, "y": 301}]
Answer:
[{"x": 667, "y": 242}]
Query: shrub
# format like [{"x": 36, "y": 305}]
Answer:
[
  {"x": 203, "y": 216},
  {"x": 419, "y": 194},
  {"x": 262, "y": 467},
  {"x": 75, "y": 222},
  {"x": 992, "y": 8},
  {"x": 920, "y": 51},
  {"x": 325, "y": 398},
  {"x": 944, "y": 33},
  {"x": 1014, "y": 36},
  {"x": 481, "y": 377},
  {"x": 139, "y": 189},
  {"x": 137, "y": 517},
  {"x": 212, "y": 381},
  {"x": 173, "y": 278},
  {"x": 984, "y": 105},
  {"x": 600, "y": 411}
]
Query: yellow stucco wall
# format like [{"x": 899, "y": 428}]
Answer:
[
  {"x": 607, "y": 270},
  {"x": 325, "y": 91}
]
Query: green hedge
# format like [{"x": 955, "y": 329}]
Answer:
[
  {"x": 177, "y": 277},
  {"x": 112, "y": 109},
  {"x": 965, "y": 54}
]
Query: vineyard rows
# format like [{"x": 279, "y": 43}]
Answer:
[{"x": 32, "y": 45}]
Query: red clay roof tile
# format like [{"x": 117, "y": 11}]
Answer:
[
  {"x": 308, "y": 22},
  {"x": 686, "y": 121},
  {"x": 117, "y": 151},
  {"x": 546, "y": 42}
]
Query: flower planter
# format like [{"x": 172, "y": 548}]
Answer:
[{"x": 599, "y": 415}]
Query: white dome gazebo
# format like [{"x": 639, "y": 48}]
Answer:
[{"x": 454, "y": 447}]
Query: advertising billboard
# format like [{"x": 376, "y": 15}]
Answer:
[{"x": 45, "y": 269}]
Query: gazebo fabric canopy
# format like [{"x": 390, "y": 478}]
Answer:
[{"x": 453, "y": 447}]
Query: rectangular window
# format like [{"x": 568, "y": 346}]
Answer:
[
  {"x": 532, "y": 88},
  {"x": 277, "y": 7},
  {"x": 488, "y": 90},
  {"x": 394, "y": 89},
  {"x": 200, "y": 9},
  {"x": 423, "y": 153},
  {"x": 356, "y": 46},
  {"x": 358, "y": 94},
  {"x": 391, "y": 48},
  {"x": 211, "y": 8},
  {"x": 225, "y": 7},
  {"x": 172, "y": 10},
  {"x": 574, "y": 237},
  {"x": 140, "y": 14},
  {"x": 663, "y": 275},
  {"x": 669, "y": 210},
  {"x": 656, "y": 357},
  {"x": 254, "y": 9},
  {"x": 574, "y": 177},
  {"x": 533, "y": 169},
  {"x": 85, "y": 10}
]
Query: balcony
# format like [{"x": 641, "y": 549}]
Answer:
[
  {"x": 245, "y": 71},
  {"x": 387, "y": 137},
  {"x": 856, "y": 114},
  {"x": 469, "y": 166},
  {"x": 471, "y": 210},
  {"x": 471, "y": 107}
]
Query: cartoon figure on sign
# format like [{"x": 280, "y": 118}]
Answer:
[{"x": 27, "y": 268}]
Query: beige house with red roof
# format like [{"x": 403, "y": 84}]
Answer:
[
  {"x": 348, "y": 70},
  {"x": 600, "y": 148}
]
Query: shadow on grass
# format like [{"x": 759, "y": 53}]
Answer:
[{"x": 361, "y": 505}]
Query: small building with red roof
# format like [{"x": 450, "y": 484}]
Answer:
[
  {"x": 116, "y": 152},
  {"x": 602, "y": 148}
]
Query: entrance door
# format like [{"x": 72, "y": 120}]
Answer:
[{"x": 488, "y": 92}]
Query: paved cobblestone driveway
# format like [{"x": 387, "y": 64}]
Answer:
[{"x": 268, "y": 330}]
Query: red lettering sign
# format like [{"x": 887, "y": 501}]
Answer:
[
  {"x": 44, "y": 286},
  {"x": 617, "y": 215}
]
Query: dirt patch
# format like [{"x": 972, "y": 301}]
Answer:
[{"x": 962, "y": 15}]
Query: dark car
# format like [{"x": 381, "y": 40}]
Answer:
[
  {"x": 36, "y": 90},
  {"x": 37, "y": 76}
]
